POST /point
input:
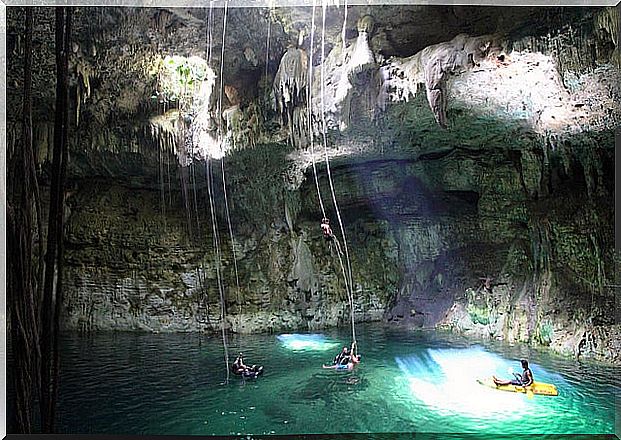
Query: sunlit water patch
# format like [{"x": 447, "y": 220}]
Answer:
[
  {"x": 444, "y": 380},
  {"x": 297, "y": 341}
]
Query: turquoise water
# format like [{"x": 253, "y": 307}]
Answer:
[{"x": 407, "y": 382}]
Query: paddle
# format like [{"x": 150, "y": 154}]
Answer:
[{"x": 527, "y": 389}]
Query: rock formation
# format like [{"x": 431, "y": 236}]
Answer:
[
  {"x": 499, "y": 226},
  {"x": 432, "y": 67}
]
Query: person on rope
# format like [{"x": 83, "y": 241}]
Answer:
[
  {"x": 327, "y": 230},
  {"x": 342, "y": 358},
  {"x": 329, "y": 235},
  {"x": 345, "y": 360},
  {"x": 526, "y": 379},
  {"x": 353, "y": 353}
]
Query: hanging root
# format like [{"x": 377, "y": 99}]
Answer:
[
  {"x": 228, "y": 220},
  {"x": 347, "y": 276},
  {"x": 218, "y": 264},
  {"x": 348, "y": 286}
]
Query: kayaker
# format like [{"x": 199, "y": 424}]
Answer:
[{"x": 525, "y": 380}]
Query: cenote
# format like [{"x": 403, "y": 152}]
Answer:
[
  {"x": 424, "y": 381},
  {"x": 435, "y": 183}
]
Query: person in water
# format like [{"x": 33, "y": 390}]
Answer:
[
  {"x": 526, "y": 379},
  {"x": 345, "y": 360},
  {"x": 342, "y": 358},
  {"x": 242, "y": 369},
  {"x": 238, "y": 366},
  {"x": 354, "y": 356}
]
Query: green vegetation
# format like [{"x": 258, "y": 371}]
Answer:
[
  {"x": 545, "y": 332},
  {"x": 183, "y": 80},
  {"x": 477, "y": 307}
]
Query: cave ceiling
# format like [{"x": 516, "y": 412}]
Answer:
[
  {"x": 106, "y": 37},
  {"x": 115, "y": 51}
]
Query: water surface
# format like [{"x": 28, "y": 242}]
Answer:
[{"x": 120, "y": 383}]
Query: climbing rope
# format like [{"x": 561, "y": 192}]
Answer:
[
  {"x": 347, "y": 276},
  {"x": 228, "y": 219},
  {"x": 193, "y": 177},
  {"x": 186, "y": 203},
  {"x": 343, "y": 33},
  {"x": 224, "y": 19},
  {"x": 325, "y": 142},
  {"x": 209, "y": 178},
  {"x": 226, "y": 199},
  {"x": 209, "y": 32},
  {"x": 347, "y": 279},
  {"x": 216, "y": 242},
  {"x": 309, "y": 100},
  {"x": 344, "y": 52}
]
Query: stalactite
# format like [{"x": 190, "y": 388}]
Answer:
[
  {"x": 83, "y": 91},
  {"x": 581, "y": 48},
  {"x": 358, "y": 59},
  {"x": 289, "y": 89},
  {"x": 431, "y": 67},
  {"x": 608, "y": 20},
  {"x": 165, "y": 131}
]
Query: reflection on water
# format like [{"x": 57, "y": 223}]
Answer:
[
  {"x": 407, "y": 382},
  {"x": 297, "y": 341},
  {"x": 442, "y": 380}
]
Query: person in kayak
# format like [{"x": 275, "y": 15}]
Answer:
[{"x": 526, "y": 379}]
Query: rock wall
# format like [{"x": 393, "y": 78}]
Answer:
[
  {"x": 513, "y": 244},
  {"x": 532, "y": 260},
  {"x": 137, "y": 263},
  {"x": 498, "y": 225}
]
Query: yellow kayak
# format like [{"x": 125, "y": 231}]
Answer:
[{"x": 545, "y": 389}]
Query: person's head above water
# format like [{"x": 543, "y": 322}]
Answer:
[{"x": 524, "y": 363}]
